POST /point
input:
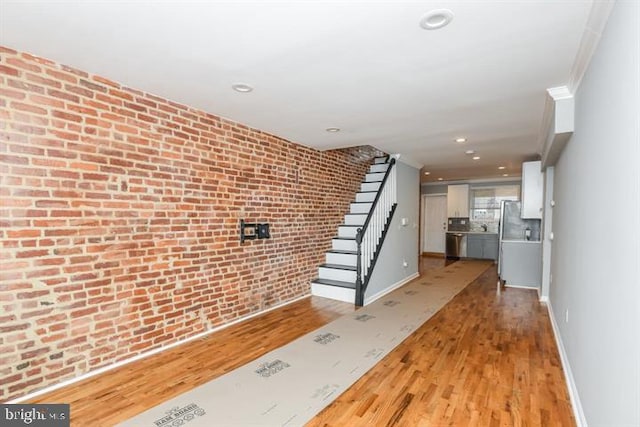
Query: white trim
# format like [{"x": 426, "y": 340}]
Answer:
[
  {"x": 523, "y": 287},
  {"x": 407, "y": 160},
  {"x": 149, "y": 353},
  {"x": 560, "y": 92},
  {"x": 594, "y": 27},
  {"x": 393, "y": 287},
  {"x": 578, "y": 413},
  {"x": 544, "y": 299},
  {"x": 596, "y": 22}
]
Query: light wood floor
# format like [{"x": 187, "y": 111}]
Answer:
[{"x": 485, "y": 359}]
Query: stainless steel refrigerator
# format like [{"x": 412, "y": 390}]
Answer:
[{"x": 520, "y": 253}]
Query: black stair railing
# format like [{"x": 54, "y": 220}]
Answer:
[{"x": 370, "y": 236}]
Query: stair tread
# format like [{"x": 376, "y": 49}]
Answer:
[
  {"x": 339, "y": 251},
  {"x": 349, "y": 225},
  {"x": 339, "y": 266},
  {"x": 330, "y": 282},
  {"x": 366, "y": 192},
  {"x": 357, "y": 213},
  {"x": 344, "y": 238}
]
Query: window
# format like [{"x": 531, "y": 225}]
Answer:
[{"x": 485, "y": 201}]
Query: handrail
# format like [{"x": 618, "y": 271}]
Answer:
[{"x": 370, "y": 236}]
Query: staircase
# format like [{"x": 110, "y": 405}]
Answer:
[{"x": 349, "y": 263}]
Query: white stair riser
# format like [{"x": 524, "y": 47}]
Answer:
[
  {"x": 379, "y": 168},
  {"x": 357, "y": 219},
  {"x": 337, "y": 274},
  {"x": 333, "y": 292},
  {"x": 379, "y": 160},
  {"x": 365, "y": 197},
  {"x": 362, "y": 208},
  {"x": 343, "y": 245},
  {"x": 369, "y": 186},
  {"x": 343, "y": 259},
  {"x": 374, "y": 177},
  {"x": 347, "y": 231}
]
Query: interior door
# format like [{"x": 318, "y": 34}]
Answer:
[{"x": 435, "y": 223}]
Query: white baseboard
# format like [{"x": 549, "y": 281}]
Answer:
[
  {"x": 149, "y": 353},
  {"x": 522, "y": 287},
  {"x": 578, "y": 413},
  {"x": 372, "y": 298}
]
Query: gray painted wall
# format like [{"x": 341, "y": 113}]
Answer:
[
  {"x": 434, "y": 189},
  {"x": 401, "y": 243},
  {"x": 443, "y": 188},
  {"x": 596, "y": 247}
]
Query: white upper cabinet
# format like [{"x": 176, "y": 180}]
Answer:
[
  {"x": 458, "y": 201},
  {"x": 532, "y": 190}
]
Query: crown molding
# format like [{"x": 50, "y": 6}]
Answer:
[
  {"x": 596, "y": 23},
  {"x": 550, "y": 141}
]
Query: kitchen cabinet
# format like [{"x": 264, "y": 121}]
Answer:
[
  {"x": 482, "y": 246},
  {"x": 532, "y": 190},
  {"x": 521, "y": 263},
  {"x": 458, "y": 201}
]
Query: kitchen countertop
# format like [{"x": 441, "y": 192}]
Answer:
[
  {"x": 520, "y": 241},
  {"x": 473, "y": 232}
]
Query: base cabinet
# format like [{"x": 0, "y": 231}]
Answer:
[
  {"x": 521, "y": 263},
  {"x": 482, "y": 246}
]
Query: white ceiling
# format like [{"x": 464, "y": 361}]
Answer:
[{"x": 365, "y": 67}]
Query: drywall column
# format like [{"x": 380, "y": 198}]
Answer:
[{"x": 547, "y": 230}]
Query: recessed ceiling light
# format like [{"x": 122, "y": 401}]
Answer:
[
  {"x": 501, "y": 167},
  {"x": 427, "y": 173},
  {"x": 241, "y": 87},
  {"x": 505, "y": 174},
  {"x": 333, "y": 130},
  {"x": 436, "y": 19},
  {"x": 476, "y": 157},
  {"x": 461, "y": 139},
  {"x": 439, "y": 179},
  {"x": 469, "y": 152}
]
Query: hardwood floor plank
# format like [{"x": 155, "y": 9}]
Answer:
[{"x": 485, "y": 359}]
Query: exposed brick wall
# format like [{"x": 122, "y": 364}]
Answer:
[{"x": 119, "y": 220}]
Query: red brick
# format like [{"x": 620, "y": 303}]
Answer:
[
  {"x": 15, "y": 94},
  {"x": 12, "y": 328},
  {"x": 119, "y": 196},
  {"x": 66, "y": 116},
  {"x": 43, "y": 80},
  {"x": 34, "y": 353},
  {"x": 42, "y": 273},
  {"x": 25, "y": 384},
  {"x": 10, "y": 379},
  {"x": 32, "y": 254},
  {"x": 9, "y": 70}
]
